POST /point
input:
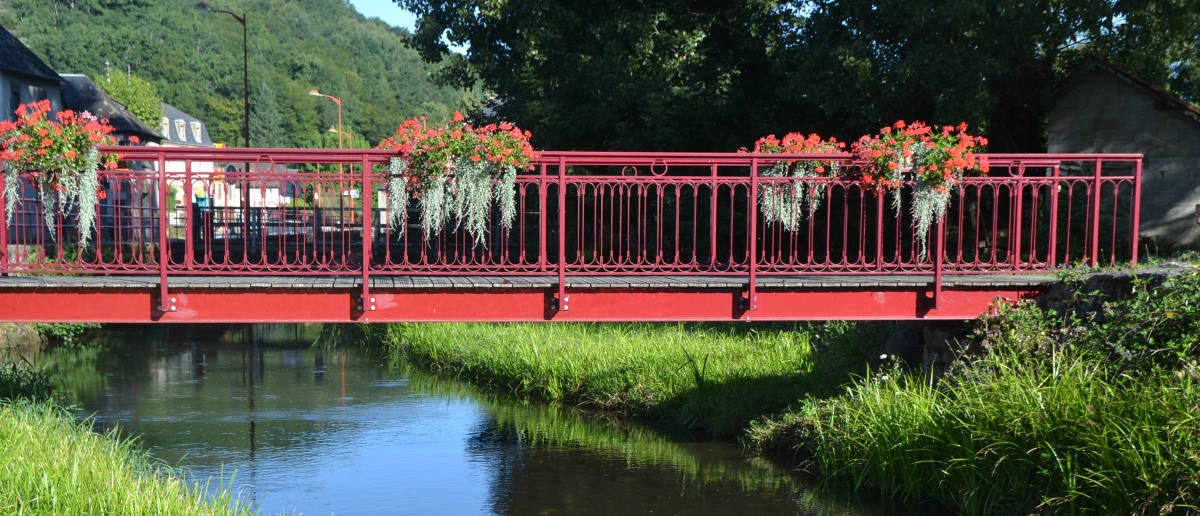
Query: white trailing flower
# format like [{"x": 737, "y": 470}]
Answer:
[
  {"x": 786, "y": 202},
  {"x": 467, "y": 198}
]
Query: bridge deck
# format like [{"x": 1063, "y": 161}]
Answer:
[
  {"x": 390, "y": 283},
  {"x": 199, "y": 299}
]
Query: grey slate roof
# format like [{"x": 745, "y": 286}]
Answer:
[
  {"x": 81, "y": 94},
  {"x": 188, "y": 137},
  {"x": 15, "y": 57}
]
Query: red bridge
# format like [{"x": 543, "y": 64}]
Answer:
[{"x": 597, "y": 237}]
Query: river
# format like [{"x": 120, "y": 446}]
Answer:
[{"x": 300, "y": 424}]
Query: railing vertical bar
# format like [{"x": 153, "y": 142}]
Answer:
[
  {"x": 3, "y": 227},
  {"x": 542, "y": 230},
  {"x": 563, "y": 305},
  {"x": 752, "y": 242},
  {"x": 1053, "y": 244},
  {"x": 368, "y": 192},
  {"x": 1137, "y": 211},
  {"x": 1018, "y": 194},
  {"x": 189, "y": 224},
  {"x": 1094, "y": 223},
  {"x": 164, "y": 302},
  {"x": 712, "y": 230},
  {"x": 879, "y": 230},
  {"x": 939, "y": 250}
]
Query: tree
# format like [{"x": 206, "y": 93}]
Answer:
[
  {"x": 266, "y": 121},
  {"x": 705, "y": 75},
  {"x": 139, "y": 95}
]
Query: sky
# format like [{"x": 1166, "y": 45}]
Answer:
[{"x": 386, "y": 10}]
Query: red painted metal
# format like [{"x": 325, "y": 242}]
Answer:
[
  {"x": 691, "y": 214},
  {"x": 210, "y": 306}
]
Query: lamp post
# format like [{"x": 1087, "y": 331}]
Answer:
[
  {"x": 348, "y": 135},
  {"x": 204, "y": 7},
  {"x": 337, "y": 101}
]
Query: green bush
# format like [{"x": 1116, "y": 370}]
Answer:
[
  {"x": 19, "y": 381},
  {"x": 64, "y": 333}
]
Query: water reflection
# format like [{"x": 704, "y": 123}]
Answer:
[{"x": 319, "y": 429}]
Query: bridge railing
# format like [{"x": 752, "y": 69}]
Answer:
[{"x": 325, "y": 212}]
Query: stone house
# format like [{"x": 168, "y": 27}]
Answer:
[{"x": 1106, "y": 109}]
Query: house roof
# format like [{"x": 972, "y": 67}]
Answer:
[
  {"x": 173, "y": 115},
  {"x": 81, "y": 94},
  {"x": 17, "y": 58},
  {"x": 1166, "y": 97}
]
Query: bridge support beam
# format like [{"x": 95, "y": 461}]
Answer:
[{"x": 494, "y": 305}]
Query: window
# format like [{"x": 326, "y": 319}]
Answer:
[
  {"x": 38, "y": 93},
  {"x": 196, "y": 132},
  {"x": 181, "y": 130},
  {"x": 166, "y": 128}
]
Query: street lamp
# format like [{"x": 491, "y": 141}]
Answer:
[
  {"x": 348, "y": 135},
  {"x": 204, "y": 7},
  {"x": 337, "y": 101}
]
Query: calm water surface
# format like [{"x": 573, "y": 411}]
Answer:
[{"x": 322, "y": 430}]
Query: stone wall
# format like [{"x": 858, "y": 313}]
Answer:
[{"x": 1102, "y": 112}]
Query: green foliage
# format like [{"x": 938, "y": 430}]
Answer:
[
  {"x": 266, "y": 121},
  {"x": 1058, "y": 435},
  {"x": 64, "y": 333},
  {"x": 22, "y": 382},
  {"x": 49, "y": 464},
  {"x": 195, "y": 60},
  {"x": 695, "y": 75},
  {"x": 1155, "y": 329},
  {"x": 139, "y": 95}
]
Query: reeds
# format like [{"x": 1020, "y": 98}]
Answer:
[{"x": 1017, "y": 436}]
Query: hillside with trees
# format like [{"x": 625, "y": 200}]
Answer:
[{"x": 194, "y": 61}]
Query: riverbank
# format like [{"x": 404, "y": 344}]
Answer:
[
  {"x": 1077, "y": 410},
  {"x": 51, "y": 464}
]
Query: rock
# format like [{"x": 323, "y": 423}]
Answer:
[
  {"x": 906, "y": 344},
  {"x": 945, "y": 345}
]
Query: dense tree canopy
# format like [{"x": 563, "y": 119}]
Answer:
[
  {"x": 713, "y": 75},
  {"x": 195, "y": 60},
  {"x": 139, "y": 95}
]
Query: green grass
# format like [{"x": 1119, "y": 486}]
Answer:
[
  {"x": 51, "y": 464},
  {"x": 706, "y": 379},
  {"x": 1012, "y": 436}
]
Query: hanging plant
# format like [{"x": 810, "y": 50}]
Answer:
[
  {"x": 61, "y": 158},
  {"x": 786, "y": 202},
  {"x": 936, "y": 161},
  {"x": 457, "y": 173}
]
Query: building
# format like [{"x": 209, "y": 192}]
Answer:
[
  {"x": 81, "y": 94},
  {"x": 1106, "y": 109},
  {"x": 183, "y": 130},
  {"x": 25, "y": 78}
]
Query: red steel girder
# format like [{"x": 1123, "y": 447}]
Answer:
[{"x": 296, "y": 305}]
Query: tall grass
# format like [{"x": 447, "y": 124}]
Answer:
[
  {"x": 708, "y": 379},
  {"x": 51, "y": 464},
  {"x": 1011, "y": 436}
]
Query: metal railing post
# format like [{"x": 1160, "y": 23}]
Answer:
[
  {"x": 752, "y": 244},
  {"x": 3, "y": 227},
  {"x": 1094, "y": 223},
  {"x": 1054, "y": 187},
  {"x": 366, "y": 302},
  {"x": 940, "y": 251},
  {"x": 165, "y": 302},
  {"x": 1137, "y": 211},
  {"x": 563, "y": 301},
  {"x": 189, "y": 222},
  {"x": 542, "y": 230},
  {"x": 1018, "y": 185}
]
